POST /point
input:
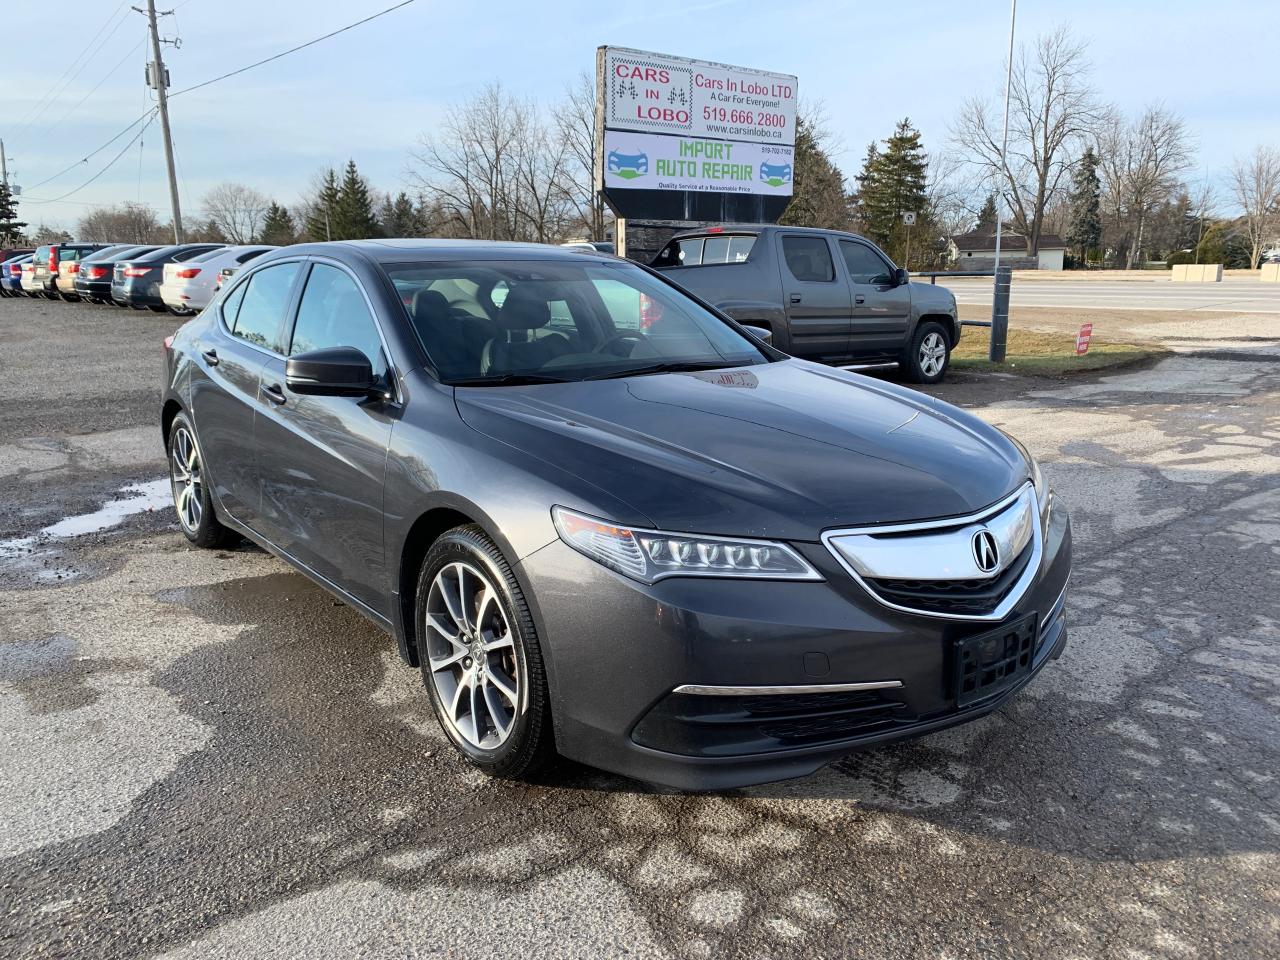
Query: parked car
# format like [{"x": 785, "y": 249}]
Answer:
[
  {"x": 820, "y": 294},
  {"x": 590, "y": 246},
  {"x": 93, "y": 279},
  {"x": 673, "y": 552},
  {"x": 11, "y": 274},
  {"x": 27, "y": 284},
  {"x": 48, "y": 275},
  {"x": 136, "y": 282},
  {"x": 69, "y": 268},
  {"x": 189, "y": 285}
]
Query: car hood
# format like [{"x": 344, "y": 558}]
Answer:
[{"x": 782, "y": 450}]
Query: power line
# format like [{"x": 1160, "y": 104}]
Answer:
[
  {"x": 85, "y": 158},
  {"x": 300, "y": 46},
  {"x": 110, "y": 73},
  {"x": 136, "y": 137}
]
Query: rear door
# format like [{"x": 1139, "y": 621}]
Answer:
[
  {"x": 817, "y": 300},
  {"x": 881, "y": 308},
  {"x": 323, "y": 459},
  {"x": 226, "y": 381}
]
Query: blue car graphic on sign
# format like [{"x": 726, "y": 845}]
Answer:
[
  {"x": 775, "y": 174},
  {"x": 628, "y": 165}
]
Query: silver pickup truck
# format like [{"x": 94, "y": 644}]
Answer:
[{"x": 821, "y": 294}]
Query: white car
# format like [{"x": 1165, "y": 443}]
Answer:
[
  {"x": 190, "y": 285},
  {"x": 28, "y": 281}
]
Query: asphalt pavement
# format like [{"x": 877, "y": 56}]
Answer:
[
  {"x": 204, "y": 755},
  {"x": 1234, "y": 295}
]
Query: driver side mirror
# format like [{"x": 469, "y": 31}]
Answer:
[
  {"x": 331, "y": 372},
  {"x": 900, "y": 277},
  {"x": 762, "y": 333}
]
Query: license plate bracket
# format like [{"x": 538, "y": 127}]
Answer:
[{"x": 993, "y": 661}]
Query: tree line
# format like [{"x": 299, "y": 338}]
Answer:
[{"x": 1120, "y": 190}]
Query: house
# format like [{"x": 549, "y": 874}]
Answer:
[{"x": 976, "y": 250}]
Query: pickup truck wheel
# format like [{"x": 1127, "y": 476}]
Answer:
[{"x": 929, "y": 355}]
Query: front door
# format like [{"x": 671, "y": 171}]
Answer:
[
  {"x": 881, "y": 307},
  {"x": 817, "y": 302},
  {"x": 323, "y": 459}
]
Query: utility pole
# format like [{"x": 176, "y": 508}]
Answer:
[
  {"x": 4, "y": 166},
  {"x": 160, "y": 79}
]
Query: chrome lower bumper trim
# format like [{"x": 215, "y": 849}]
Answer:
[{"x": 705, "y": 690}]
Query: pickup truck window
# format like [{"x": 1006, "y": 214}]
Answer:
[
  {"x": 863, "y": 263},
  {"x": 704, "y": 251},
  {"x": 808, "y": 258}
]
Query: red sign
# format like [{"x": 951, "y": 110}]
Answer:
[{"x": 1082, "y": 338}]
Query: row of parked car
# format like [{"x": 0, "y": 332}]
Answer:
[{"x": 181, "y": 278}]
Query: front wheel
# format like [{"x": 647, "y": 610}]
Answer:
[
  {"x": 929, "y": 355},
  {"x": 191, "y": 496},
  {"x": 481, "y": 661}
]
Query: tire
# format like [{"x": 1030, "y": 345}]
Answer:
[
  {"x": 495, "y": 711},
  {"x": 929, "y": 356},
  {"x": 191, "y": 497}
]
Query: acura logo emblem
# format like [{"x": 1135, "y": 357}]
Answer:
[{"x": 986, "y": 553}]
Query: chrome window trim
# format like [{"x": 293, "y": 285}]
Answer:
[
  {"x": 1015, "y": 594},
  {"x": 711, "y": 690}
]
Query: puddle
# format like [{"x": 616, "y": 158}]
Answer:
[{"x": 37, "y": 555}]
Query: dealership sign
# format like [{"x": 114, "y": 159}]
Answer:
[{"x": 672, "y": 124}]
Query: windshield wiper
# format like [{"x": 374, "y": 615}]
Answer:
[
  {"x": 671, "y": 366},
  {"x": 507, "y": 380}
]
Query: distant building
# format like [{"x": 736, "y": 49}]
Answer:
[{"x": 976, "y": 250}]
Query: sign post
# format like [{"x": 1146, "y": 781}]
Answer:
[{"x": 690, "y": 140}]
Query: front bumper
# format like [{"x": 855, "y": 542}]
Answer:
[{"x": 617, "y": 650}]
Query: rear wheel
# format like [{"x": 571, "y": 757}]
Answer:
[
  {"x": 481, "y": 661},
  {"x": 929, "y": 355},
  {"x": 191, "y": 496}
]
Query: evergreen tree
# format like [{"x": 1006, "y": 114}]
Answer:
[
  {"x": 355, "y": 219},
  {"x": 397, "y": 217},
  {"x": 818, "y": 195},
  {"x": 1084, "y": 225},
  {"x": 894, "y": 181},
  {"x": 987, "y": 215},
  {"x": 10, "y": 226},
  {"x": 321, "y": 223},
  {"x": 277, "y": 226}
]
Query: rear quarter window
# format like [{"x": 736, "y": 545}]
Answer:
[{"x": 706, "y": 251}]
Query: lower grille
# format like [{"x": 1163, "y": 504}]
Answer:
[{"x": 954, "y": 596}]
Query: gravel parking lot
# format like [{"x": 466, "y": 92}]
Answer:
[{"x": 206, "y": 756}]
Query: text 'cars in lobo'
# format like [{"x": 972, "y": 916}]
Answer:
[{"x": 606, "y": 520}]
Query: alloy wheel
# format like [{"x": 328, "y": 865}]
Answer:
[
  {"x": 472, "y": 656},
  {"x": 188, "y": 483},
  {"x": 933, "y": 354}
]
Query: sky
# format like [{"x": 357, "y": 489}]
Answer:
[{"x": 370, "y": 93}]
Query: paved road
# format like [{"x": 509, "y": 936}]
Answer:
[
  {"x": 206, "y": 756},
  {"x": 1234, "y": 295}
]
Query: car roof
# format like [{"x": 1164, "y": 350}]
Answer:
[
  {"x": 401, "y": 251},
  {"x": 758, "y": 228}
]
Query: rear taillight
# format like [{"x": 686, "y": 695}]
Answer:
[
  {"x": 96, "y": 273},
  {"x": 73, "y": 268},
  {"x": 53, "y": 259},
  {"x": 168, "y": 342},
  {"x": 135, "y": 271},
  {"x": 187, "y": 273},
  {"x": 650, "y": 311}
]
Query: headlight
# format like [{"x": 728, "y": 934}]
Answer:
[
  {"x": 1044, "y": 492},
  {"x": 651, "y": 555}
]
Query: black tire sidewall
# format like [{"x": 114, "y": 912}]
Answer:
[
  {"x": 523, "y": 749},
  {"x": 211, "y": 532},
  {"x": 911, "y": 362}
]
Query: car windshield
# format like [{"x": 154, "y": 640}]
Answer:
[{"x": 496, "y": 322}]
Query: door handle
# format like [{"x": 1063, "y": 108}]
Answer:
[
  {"x": 795, "y": 298},
  {"x": 859, "y": 299},
  {"x": 210, "y": 357},
  {"x": 273, "y": 392}
]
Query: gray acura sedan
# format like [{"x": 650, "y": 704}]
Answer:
[{"x": 605, "y": 520}]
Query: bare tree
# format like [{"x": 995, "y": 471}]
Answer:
[
  {"x": 127, "y": 223},
  {"x": 1139, "y": 163},
  {"x": 1255, "y": 181},
  {"x": 236, "y": 210},
  {"x": 574, "y": 119},
  {"x": 1052, "y": 112},
  {"x": 1205, "y": 203}
]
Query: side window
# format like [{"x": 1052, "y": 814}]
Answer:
[
  {"x": 863, "y": 263},
  {"x": 333, "y": 313},
  {"x": 808, "y": 258},
  {"x": 231, "y": 306},
  {"x": 262, "y": 305}
]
